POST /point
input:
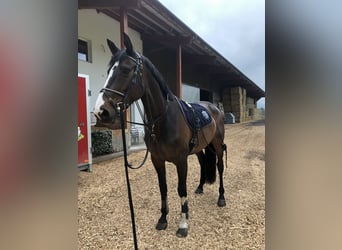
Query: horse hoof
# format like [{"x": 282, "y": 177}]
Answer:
[
  {"x": 182, "y": 232},
  {"x": 221, "y": 203},
  {"x": 161, "y": 226},
  {"x": 199, "y": 191}
]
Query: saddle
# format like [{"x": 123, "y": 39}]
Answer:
[{"x": 197, "y": 117}]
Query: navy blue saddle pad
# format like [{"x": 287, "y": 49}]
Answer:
[{"x": 201, "y": 113}]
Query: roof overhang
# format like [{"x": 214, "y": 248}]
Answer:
[{"x": 156, "y": 23}]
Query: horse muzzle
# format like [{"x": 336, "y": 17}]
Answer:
[
  {"x": 107, "y": 116},
  {"x": 107, "y": 112}
]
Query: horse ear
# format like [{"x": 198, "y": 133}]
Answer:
[
  {"x": 128, "y": 45},
  {"x": 112, "y": 47}
]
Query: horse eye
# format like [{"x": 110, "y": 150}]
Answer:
[{"x": 125, "y": 70}]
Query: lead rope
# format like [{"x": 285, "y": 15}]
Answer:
[
  {"x": 141, "y": 124},
  {"x": 127, "y": 178}
]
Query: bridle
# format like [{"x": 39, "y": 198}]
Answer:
[
  {"x": 123, "y": 105},
  {"x": 137, "y": 74}
]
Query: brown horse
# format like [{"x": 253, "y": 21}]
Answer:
[{"x": 168, "y": 136}]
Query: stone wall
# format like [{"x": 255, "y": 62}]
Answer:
[{"x": 113, "y": 143}]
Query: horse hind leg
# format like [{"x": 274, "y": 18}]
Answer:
[
  {"x": 220, "y": 148},
  {"x": 201, "y": 158},
  {"x": 207, "y": 160}
]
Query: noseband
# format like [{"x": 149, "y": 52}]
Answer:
[{"x": 137, "y": 74}]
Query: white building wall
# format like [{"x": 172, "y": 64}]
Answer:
[
  {"x": 96, "y": 28},
  {"x": 190, "y": 94}
]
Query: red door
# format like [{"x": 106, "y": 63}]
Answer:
[{"x": 83, "y": 147}]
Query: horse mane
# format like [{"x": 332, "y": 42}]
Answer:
[
  {"x": 167, "y": 93},
  {"x": 158, "y": 77}
]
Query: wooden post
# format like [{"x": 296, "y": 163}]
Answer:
[
  {"x": 124, "y": 29},
  {"x": 123, "y": 25},
  {"x": 179, "y": 71}
]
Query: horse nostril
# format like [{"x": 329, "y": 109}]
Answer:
[
  {"x": 97, "y": 115},
  {"x": 104, "y": 114}
]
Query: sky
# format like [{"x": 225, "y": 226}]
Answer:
[{"x": 234, "y": 28}]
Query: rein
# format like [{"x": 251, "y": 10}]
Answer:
[
  {"x": 121, "y": 107},
  {"x": 127, "y": 179}
]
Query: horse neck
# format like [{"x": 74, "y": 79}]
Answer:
[{"x": 153, "y": 100}]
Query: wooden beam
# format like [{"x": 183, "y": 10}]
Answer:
[
  {"x": 179, "y": 71},
  {"x": 214, "y": 69},
  {"x": 198, "y": 59},
  {"x": 171, "y": 41},
  {"x": 227, "y": 78},
  {"x": 225, "y": 74},
  {"x": 108, "y": 4},
  {"x": 145, "y": 16},
  {"x": 123, "y": 25},
  {"x": 155, "y": 50}
]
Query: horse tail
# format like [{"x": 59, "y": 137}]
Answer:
[{"x": 210, "y": 166}]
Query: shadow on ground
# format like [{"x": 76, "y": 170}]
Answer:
[{"x": 257, "y": 123}]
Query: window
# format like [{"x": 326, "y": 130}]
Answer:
[{"x": 83, "y": 50}]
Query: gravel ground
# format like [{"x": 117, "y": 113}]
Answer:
[{"x": 103, "y": 210}]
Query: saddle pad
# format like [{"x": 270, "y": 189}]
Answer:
[{"x": 200, "y": 112}]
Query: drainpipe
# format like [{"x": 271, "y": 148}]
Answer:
[{"x": 179, "y": 71}]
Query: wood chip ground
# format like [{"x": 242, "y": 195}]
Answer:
[{"x": 103, "y": 210}]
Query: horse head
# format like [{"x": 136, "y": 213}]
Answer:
[{"x": 124, "y": 83}]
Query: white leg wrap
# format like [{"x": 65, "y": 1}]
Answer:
[
  {"x": 183, "y": 221},
  {"x": 183, "y": 224}
]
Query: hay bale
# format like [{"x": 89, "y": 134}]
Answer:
[{"x": 236, "y": 90}]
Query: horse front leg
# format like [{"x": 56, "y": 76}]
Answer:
[
  {"x": 182, "y": 169},
  {"x": 159, "y": 165}
]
